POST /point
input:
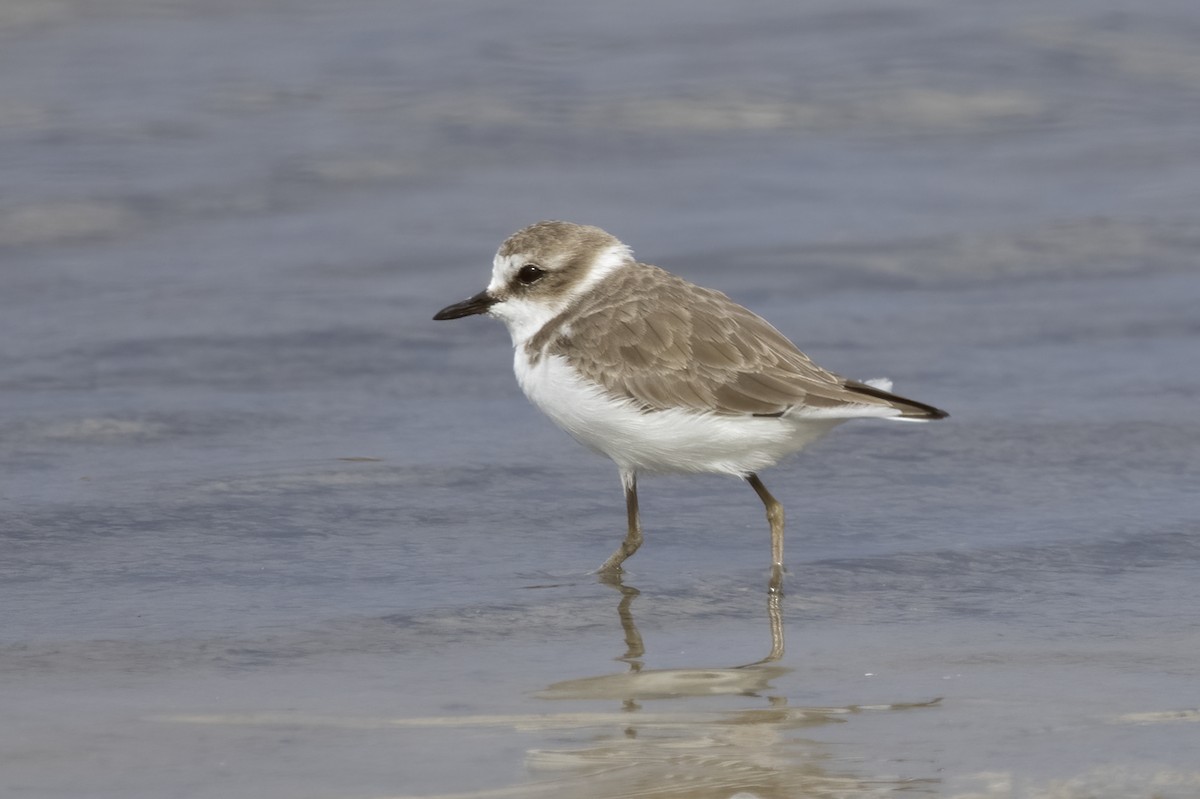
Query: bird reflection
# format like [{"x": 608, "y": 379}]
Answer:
[
  {"x": 755, "y": 752},
  {"x": 639, "y": 683}
]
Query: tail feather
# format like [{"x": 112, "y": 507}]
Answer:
[{"x": 910, "y": 410}]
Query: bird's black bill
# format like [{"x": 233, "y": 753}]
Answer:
[{"x": 475, "y": 305}]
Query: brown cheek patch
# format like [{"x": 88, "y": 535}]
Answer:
[{"x": 563, "y": 277}]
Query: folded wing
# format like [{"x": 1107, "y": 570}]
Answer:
[{"x": 670, "y": 344}]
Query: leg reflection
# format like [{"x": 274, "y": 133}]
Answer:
[
  {"x": 635, "y": 648},
  {"x": 775, "y": 615}
]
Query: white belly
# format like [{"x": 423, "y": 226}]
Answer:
[{"x": 660, "y": 441}]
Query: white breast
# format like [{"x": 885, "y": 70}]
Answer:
[{"x": 659, "y": 441}]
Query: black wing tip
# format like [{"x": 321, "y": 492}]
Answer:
[{"x": 925, "y": 411}]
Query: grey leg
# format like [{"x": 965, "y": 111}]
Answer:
[
  {"x": 775, "y": 517},
  {"x": 633, "y": 538}
]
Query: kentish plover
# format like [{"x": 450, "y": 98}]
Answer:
[{"x": 659, "y": 374}]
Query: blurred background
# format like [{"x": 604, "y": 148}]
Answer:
[{"x": 268, "y": 530}]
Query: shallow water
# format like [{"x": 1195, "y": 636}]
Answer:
[{"x": 271, "y": 531}]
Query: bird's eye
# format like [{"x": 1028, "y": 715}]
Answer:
[{"x": 530, "y": 274}]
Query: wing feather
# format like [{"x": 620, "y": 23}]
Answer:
[{"x": 651, "y": 337}]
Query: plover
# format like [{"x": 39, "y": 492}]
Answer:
[{"x": 659, "y": 374}]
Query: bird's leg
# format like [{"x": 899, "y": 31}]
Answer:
[
  {"x": 633, "y": 538},
  {"x": 775, "y": 517}
]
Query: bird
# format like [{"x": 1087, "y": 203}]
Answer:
[{"x": 659, "y": 374}]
